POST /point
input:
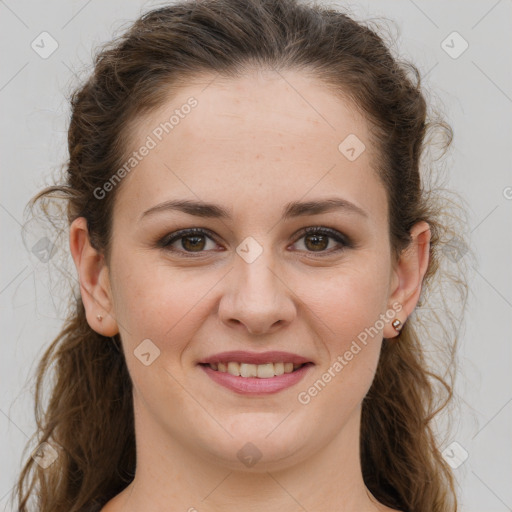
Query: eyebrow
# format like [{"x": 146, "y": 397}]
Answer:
[{"x": 291, "y": 210}]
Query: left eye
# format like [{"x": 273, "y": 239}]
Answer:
[
  {"x": 319, "y": 238},
  {"x": 194, "y": 240}
]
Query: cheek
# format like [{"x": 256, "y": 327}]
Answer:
[
  {"x": 163, "y": 305},
  {"x": 160, "y": 303},
  {"x": 349, "y": 301},
  {"x": 348, "y": 306}
]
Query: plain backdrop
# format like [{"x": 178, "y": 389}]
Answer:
[{"x": 464, "y": 50}]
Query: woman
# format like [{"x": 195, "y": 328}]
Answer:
[{"x": 251, "y": 236}]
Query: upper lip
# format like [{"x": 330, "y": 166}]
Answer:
[{"x": 242, "y": 356}]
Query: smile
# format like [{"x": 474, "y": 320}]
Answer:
[
  {"x": 260, "y": 371},
  {"x": 257, "y": 379}
]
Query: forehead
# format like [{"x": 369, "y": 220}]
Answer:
[{"x": 265, "y": 135}]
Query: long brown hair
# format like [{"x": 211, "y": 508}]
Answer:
[{"x": 88, "y": 419}]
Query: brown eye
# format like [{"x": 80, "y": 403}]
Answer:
[
  {"x": 193, "y": 240},
  {"x": 316, "y": 242},
  {"x": 193, "y": 243},
  {"x": 317, "y": 239}
]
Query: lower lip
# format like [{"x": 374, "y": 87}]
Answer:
[{"x": 254, "y": 385}]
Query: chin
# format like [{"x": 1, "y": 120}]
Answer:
[{"x": 258, "y": 445}]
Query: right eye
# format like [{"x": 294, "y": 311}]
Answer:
[{"x": 192, "y": 240}]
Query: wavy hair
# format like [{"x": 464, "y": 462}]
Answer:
[{"x": 88, "y": 417}]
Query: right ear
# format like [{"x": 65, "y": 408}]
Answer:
[{"x": 94, "y": 280}]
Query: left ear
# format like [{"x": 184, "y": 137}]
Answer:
[{"x": 408, "y": 275}]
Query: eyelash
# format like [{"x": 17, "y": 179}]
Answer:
[{"x": 167, "y": 240}]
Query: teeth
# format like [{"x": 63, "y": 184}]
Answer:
[
  {"x": 278, "y": 368},
  {"x": 248, "y": 370},
  {"x": 234, "y": 369},
  {"x": 265, "y": 371},
  {"x": 262, "y": 371}
]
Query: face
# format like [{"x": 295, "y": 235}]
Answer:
[{"x": 252, "y": 280}]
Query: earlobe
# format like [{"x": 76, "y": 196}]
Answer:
[
  {"x": 408, "y": 276},
  {"x": 94, "y": 280}
]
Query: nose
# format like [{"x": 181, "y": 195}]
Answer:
[{"x": 257, "y": 297}]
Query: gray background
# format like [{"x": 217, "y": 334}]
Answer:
[{"x": 475, "y": 89}]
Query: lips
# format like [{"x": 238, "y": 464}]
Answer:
[
  {"x": 256, "y": 373},
  {"x": 256, "y": 385},
  {"x": 258, "y": 358}
]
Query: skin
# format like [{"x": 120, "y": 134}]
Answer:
[{"x": 252, "y": 145}]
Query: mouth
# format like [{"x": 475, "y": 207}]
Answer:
[
  {"x": 256, "y": 373},
  {"x": 260, "y": 371}
]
